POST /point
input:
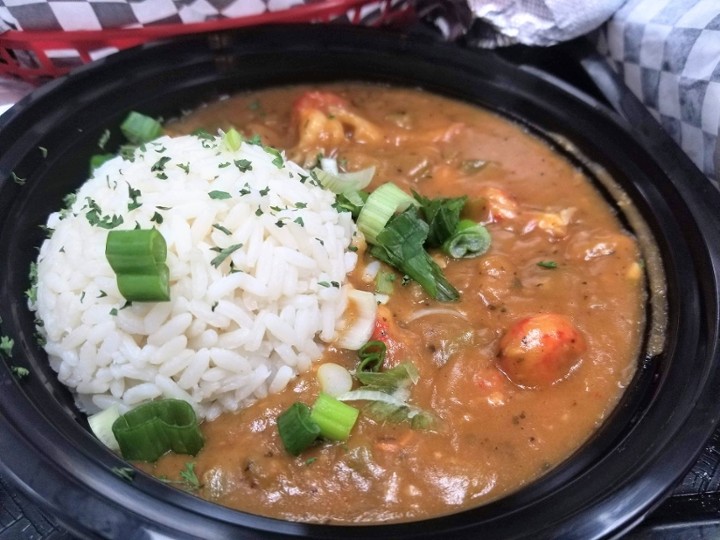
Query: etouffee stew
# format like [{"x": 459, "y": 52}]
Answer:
[{"x": 517, "y": 373}]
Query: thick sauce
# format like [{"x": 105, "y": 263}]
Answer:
[{"x": 493, "y": 435}]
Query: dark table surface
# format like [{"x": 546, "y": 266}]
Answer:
[{"x": 691, "y": 512}]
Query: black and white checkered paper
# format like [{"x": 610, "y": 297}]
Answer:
[
  {"x": 103, "y": 14},
  {"x": 668, "y": 54}
]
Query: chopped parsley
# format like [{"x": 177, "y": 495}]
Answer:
[
  {"x": 95, "y": 217},
  {"x": 189, "y": 476},
  {"x": 300, "y": 205},
  {"x": 157, "y": 218},
  {"x": 263, "y": 192},
  {"x": 134, "y": 194},
  {"x": 200, "y": 133},
  {"x": 159, "y": 165},
  {"x": 278, "y": 160},
  {"x": 243, "y": 165},
  {"x": 547, "y": 264},
  {"x": 20, "y": 372},
  {"x": 6, "y": 346},
  {"x": 219, "y": 195},
  {"x": 223, "y": 253},
  {"x": 185, "y": 167},
  {"x": 221, "y": 229},
  {"x": 299, "y": 221}
]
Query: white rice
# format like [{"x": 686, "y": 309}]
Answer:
[{"x": 228, "y": 336}]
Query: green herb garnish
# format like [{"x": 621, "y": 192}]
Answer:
[
  {"x": 401, "y": 244},
  {"x": 6, "y": 346},
  {"x": 224, "y": 253},
  {"x": 189, "y": 476},
  {"x": 20, "y": 372},
  {"x": 219, "y": 195}
]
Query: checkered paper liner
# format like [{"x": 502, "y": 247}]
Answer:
[
  {"x": 73, "y": 15},
  {"x": 668, "y": 54}
]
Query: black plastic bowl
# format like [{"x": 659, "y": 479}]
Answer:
[{"x": 605, "y": 488}]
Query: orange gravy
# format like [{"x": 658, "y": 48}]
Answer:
[{"x": 492, "y": 436}]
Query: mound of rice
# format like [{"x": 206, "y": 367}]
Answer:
[{"x": 258, "y": 258}]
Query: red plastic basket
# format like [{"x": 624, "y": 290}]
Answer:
[{"x": 35, "y": 56}]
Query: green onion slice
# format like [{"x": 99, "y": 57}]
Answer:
[
  {"x": 297, "y": 430},
  {"x": 334, "y": 418},
  {"x": 153, "y": 429},
  {"x": 470, "y": 239},
  {"x": 352, "y": 202},
  {"x": 153, "y": 287},
  {"x": 232, "y": 139},
  {"x": 372, "y": 356},
  {"x": 401, "y": 245},
  {"x": 442, "y": 216},
  {"x": 138, "y": 259},
  {"x": 380, "y": 206},
  {"x": 390, "y": 380},
  {"x": 139, "y": 128},
  {"x": 338, "y": 182},
  {"x": 101, "y": 425}
]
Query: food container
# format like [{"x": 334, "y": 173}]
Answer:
[{"x": 605, "y": 488}]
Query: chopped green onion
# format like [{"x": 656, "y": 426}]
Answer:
[
  {"x": 232, "y": 139},
  {"x": 380, "y": 206},
  {"x": 547, "y": 264},
  {"x": 400, "y": 244},
  {"x": 390, "y": 380},
  {"x": 139, "y": 128},
  {"x": 352, "y": 201},
  {"x": 334, "y": 418},
  {"x": 152, "y": 287},
  {"x": 101, "y": 425},
  {"x": 442, "y": 215},
  {"x": 384, "y": 282},
  {"x": 135, "y": 251},
  {"x": 152, "y": 429},
  {"x": 470, "y": 239},
  {"x": 372, "y": 356},
  {"x": 343, "y": 182},
  {"x": 138, "y": 259},
  {"x": 297, "y": 430}
]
